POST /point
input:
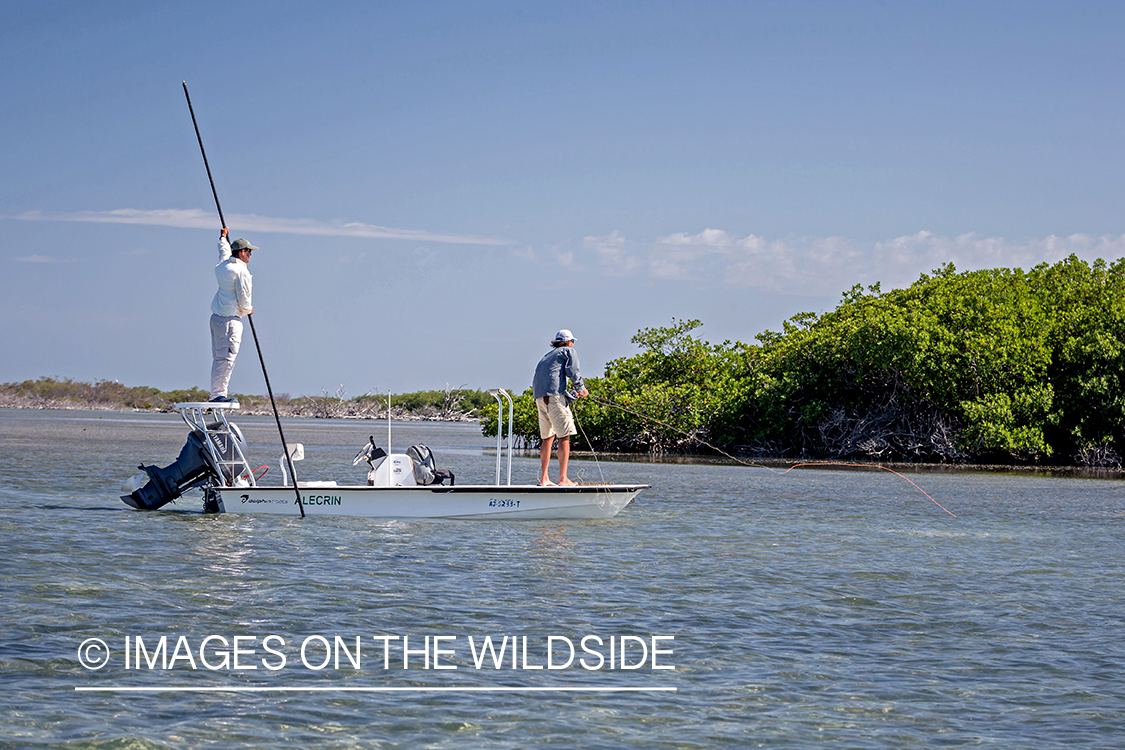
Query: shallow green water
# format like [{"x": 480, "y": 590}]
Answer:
[{"x": 815, "y": 608}]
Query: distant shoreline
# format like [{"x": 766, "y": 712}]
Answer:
[
  {"x": 818, "y": 464},
  {"x": 247, "y": 408},
  {"x": 404, "y": 415},
  {"x": 447, "y": 405}
]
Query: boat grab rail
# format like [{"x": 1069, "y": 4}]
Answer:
[
  {"x": 496, "y": 394},
  {"x": 193, "y": 414}
]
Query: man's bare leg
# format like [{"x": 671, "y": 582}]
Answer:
[
  {"x": 545, "y": 459},
  {"x": 564, "y": 458}
]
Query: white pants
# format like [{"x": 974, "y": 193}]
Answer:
[{"x": 226, "y": 337}]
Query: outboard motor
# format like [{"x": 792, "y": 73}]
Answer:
[
  {"x": 191, "y": 469},
  {"x": 195, "y": 465},
  {"x": 214, "y": 454}
]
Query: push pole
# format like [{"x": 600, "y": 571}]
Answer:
[{"x": 249, "y": 316}]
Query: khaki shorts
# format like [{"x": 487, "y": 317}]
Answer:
[{"x": 555, "y": 419}]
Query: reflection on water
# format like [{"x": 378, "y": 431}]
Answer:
[{"x": 814, "y": 608}]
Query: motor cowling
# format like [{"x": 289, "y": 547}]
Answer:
[{"x": 190, "y": 469}]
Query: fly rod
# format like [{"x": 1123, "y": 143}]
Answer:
[{"x": 249, "y": 316}]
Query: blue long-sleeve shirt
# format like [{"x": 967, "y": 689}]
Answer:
[{"x": 553, "y": 370}]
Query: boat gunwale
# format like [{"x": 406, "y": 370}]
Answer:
[{"x": 462, "y": 489}]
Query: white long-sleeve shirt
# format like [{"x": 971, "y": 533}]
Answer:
[{"x": 233, "y": 297}]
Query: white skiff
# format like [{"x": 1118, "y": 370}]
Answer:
[
  {"x": 461, "y": 501},
  {"x": 399, "y": 485}
]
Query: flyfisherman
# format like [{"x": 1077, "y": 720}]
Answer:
[
  {"x": 549, "y": 388},
  {"x": 231, "y": 302}
]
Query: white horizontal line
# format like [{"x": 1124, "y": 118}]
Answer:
[{"x": 416, "y": 689}]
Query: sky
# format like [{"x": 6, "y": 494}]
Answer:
[{"x": 436, "y": 188}]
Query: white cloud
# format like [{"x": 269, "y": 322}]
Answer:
[
  {"x": 197, "y": 219},
  {"x": 613, "y": 253},
  {"x": 38, "y": 259},
  {"x": 683, "y": 256},
  {"x": 752, "y": 242},
  {"x": 969, "y": 251},
  {"x": 830, "y": 265},
  {"x": 708, "y": 237},
  {"x": 566, "y": 259},
  {"x": 561, "y": 253},
  {"x": 425, "y": 256},
  {"x": 681, "y": 263}
]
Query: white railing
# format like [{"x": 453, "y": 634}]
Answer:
[
  {"x": 496, "y": 394},
  {"x": 215, "y": 435}
]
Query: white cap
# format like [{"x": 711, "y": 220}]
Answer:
[{"x": 564, "y": 335}]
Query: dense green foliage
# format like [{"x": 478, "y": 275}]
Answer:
[
  {"x": 677, "y": 391},
  {"x": 988, "y": 365}
]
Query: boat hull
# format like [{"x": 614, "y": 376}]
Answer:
[{"x": 466, "y": 501}]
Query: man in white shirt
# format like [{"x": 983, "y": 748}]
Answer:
[{"x": 231, "y": 302}]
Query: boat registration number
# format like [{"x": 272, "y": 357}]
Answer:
[{"x": 503, "y": 503}]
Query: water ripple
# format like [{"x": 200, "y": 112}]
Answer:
[{"x": 816, "y": 608}]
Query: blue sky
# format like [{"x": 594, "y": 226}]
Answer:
[{"x": 438, "y": 187}]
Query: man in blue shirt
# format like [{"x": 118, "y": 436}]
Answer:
[{"x": 549, "y": 388}]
